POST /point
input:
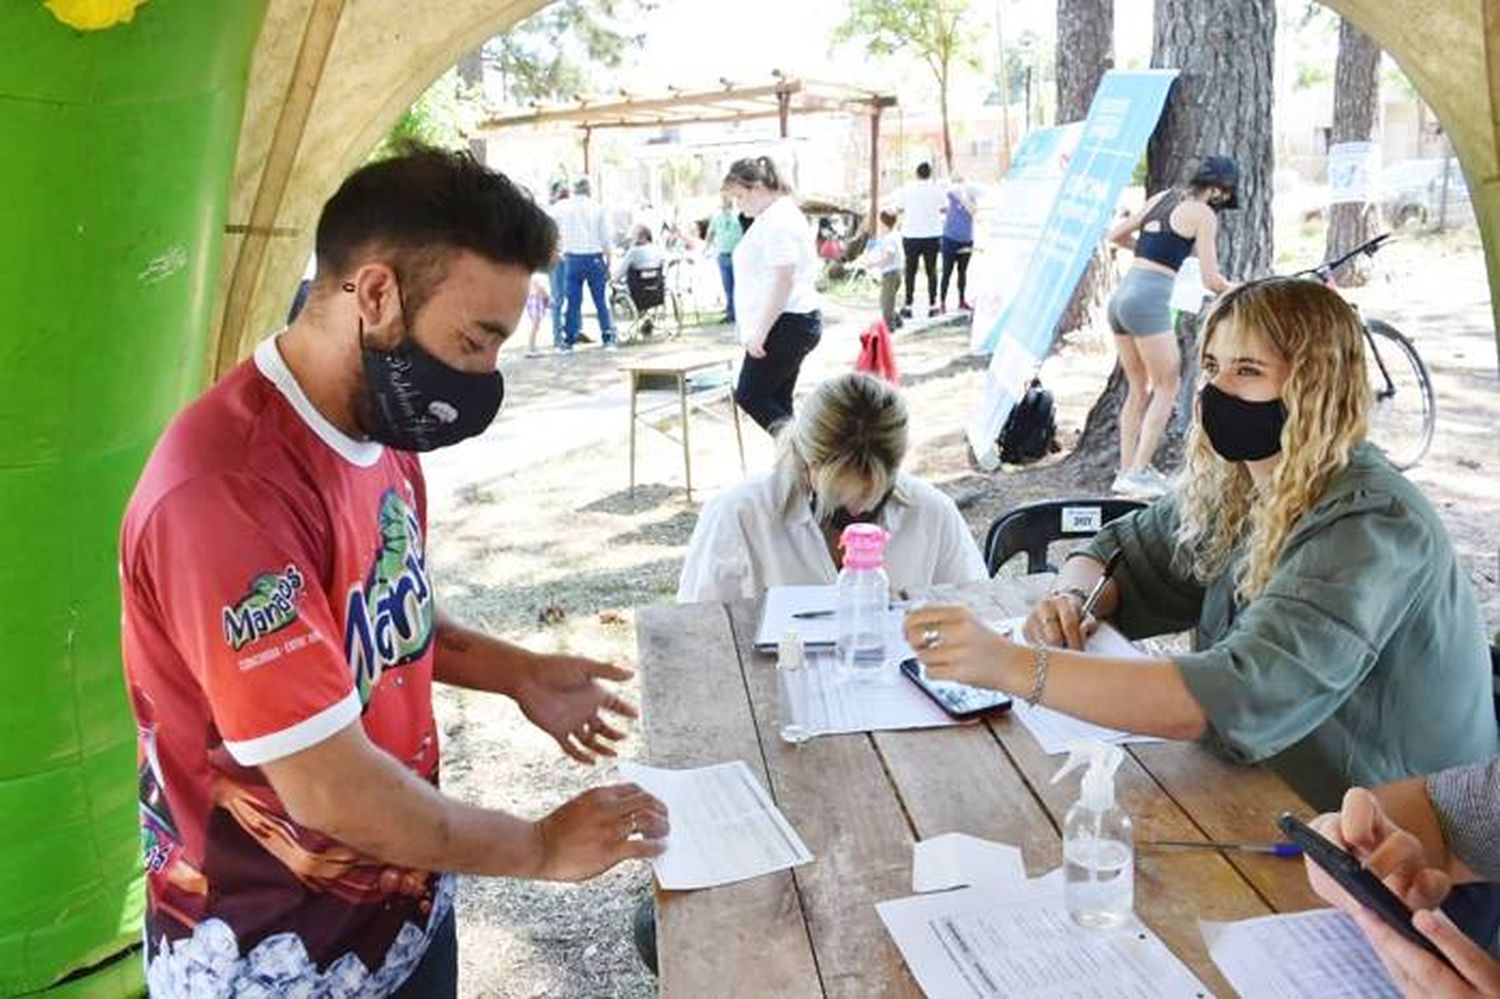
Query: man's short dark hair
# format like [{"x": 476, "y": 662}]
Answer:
[
  {"x": 924, "y": 170},
  {"x": 416, "y": 209}
]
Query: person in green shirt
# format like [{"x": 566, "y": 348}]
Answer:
[
  {"x": 1337, "y": 636},
  {"x": 724, "y": 233}
]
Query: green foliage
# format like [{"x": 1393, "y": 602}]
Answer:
[
  {"x": 550, "y": 55},
  {"x": 1310, "y": 75},
  {"x": 937, "y": 31},
  {"x": 442, "y": 117}
]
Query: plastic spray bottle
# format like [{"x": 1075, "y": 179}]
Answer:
[{"x": 1098, "y": 847}]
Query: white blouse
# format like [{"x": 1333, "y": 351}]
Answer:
[
  {"x": 779, "y": 237},
  {"x": 744, "y": 542}
]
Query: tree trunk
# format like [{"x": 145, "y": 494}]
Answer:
[
  {"x": 471, "y": 78},
  {"x": 1356, "y": 102},
  {"x": 1085, "y": 51},
  {"x": 1221, "y": 104},
  {"x": 947, "y": 135}
]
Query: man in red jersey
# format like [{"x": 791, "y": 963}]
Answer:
[{"x": 280, "y": 632}]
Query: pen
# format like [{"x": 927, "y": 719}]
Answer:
[
  {"x": 1274, "y": 849},
  {"x": 811, "y": 614},
  {"x": 1109, "y": 570}
]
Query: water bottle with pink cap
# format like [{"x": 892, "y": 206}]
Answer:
[{"x": 863, "y": 601}]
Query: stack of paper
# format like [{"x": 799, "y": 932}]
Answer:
[
  {"x": 1305, "y": 955},
  {"x": 1017, "y": 940},
  {"x": 1054, "y": 730},
  {"x": 725, "y": 827}
]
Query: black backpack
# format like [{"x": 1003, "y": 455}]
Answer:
[{"x": 1031, "y": 429}]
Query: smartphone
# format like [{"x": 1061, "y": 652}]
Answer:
[
  {"x": 958, "y": 699},
  {"x": 1351, "y": 875}
]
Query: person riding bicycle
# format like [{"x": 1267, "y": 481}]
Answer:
[{"x": 1173, "y": 225}]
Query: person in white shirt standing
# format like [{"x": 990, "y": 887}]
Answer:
[
  {"x": 923, "y": 203},
  {"x": 838, "y": 462},
  {"x": 583, "y": 232},
  {"x": 775, "y": 299}
]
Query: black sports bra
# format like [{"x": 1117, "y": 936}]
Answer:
[{"x": 1163, "y": 246}]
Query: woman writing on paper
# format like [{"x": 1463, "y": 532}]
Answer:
[
  {"x": 1337, "y": 636},
  {"x": 838, "y": 462}
]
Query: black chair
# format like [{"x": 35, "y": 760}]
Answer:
[
  {"x": 1031, "y": 527},
  {"x": 645, "y": 304},
  {"x": 1495, "y": 671}
]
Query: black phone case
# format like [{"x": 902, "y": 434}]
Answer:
[
  {"x": 913, "y": 671},
  {"x": 1362, "y": 886}
]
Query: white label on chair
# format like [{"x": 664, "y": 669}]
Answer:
[{"x": 1077, "y": 519}]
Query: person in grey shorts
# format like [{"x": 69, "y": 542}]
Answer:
[
  {"x": 1173, "y": 225},
  {"x": 1422, "y": 836}
]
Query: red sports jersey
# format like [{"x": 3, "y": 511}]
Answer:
[{"x": 275, "y": 590}]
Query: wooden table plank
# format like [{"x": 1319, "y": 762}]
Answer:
[
  {"x": 1196, "y": 780},
  {"x": 696, "y": 712},
  {"x": 835, "y": 792},
  {"x": 961, "y": 780}
]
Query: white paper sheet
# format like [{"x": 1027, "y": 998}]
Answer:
[
  {"x": 1305, "y": 955},
  {"x": 1018, "y": 943},
  {"x": 957, "y": 860},
  {"x": 840, "y": 703},
  {"x": 1053, "y": 730},
  {"x": 819, "y": 627},
  {"x": 725, "y": 827}
]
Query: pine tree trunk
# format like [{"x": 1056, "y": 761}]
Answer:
[
  {"x": 1085, "y": 51},
  {"x": 1221, "y": 104},
  {"x": 1356, "y": 102}
]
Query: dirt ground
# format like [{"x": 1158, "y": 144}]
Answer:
[{"x": 537, "y": 514}]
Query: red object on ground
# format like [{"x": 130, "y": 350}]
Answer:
[{"x": 877, "y": 354}]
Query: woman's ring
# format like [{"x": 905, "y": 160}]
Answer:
[
  {"x": 931, "y": 638},
  {"x": 633, "y": 827}
]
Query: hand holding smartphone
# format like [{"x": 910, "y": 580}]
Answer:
[
  {"x": 1352, "y": 876},
  {"x": 960, "y": 700}
]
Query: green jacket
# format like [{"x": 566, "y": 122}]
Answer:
[{"x": 1364, "y": 660}]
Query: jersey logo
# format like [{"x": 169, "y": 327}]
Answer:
[
  {"x": 389, "y": 617},
  {"x": 269, "y": 605}
]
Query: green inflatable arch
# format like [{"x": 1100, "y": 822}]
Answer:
[{"x": 116, "y": 154}]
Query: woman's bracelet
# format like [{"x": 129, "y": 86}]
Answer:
[
  {"x": 1039, "y": 675},
  {"x": 1071, "y": 591}
]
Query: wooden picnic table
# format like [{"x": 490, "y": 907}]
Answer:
[{"x": 861, "y": 801}]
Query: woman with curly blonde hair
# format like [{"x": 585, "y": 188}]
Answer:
[{"x": 1337, "y": 637}]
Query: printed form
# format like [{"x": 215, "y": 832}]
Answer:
[
  {"x": 1018, "y": 943},
  {"x": 837, "y": 702},
  {"x": 1305, "y": 955},
  {"x": 725, "y": 827}
]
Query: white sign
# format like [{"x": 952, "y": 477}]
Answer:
[{"x": 1351, "y": 171}]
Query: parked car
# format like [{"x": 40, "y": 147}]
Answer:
[{"x": 1411, "y": 193}]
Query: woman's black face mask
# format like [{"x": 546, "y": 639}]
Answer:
[
  {"x": 1239, "y": 430},
  {"x": 841, "y": 518}
]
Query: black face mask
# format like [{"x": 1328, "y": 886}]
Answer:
[
  {"x": 1240, "y": 430},
  {"x": 418, "y": 403},
  {"x": 841, "y": 518}
]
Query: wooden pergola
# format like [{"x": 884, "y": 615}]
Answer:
[{"x": 730, "y": 102}]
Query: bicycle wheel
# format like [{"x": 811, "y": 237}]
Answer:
[{"x": 1404, "y": 410}]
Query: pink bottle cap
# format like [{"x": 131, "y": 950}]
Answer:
[{"x": 864, "y": 546}]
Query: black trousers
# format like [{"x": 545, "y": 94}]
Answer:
[
  {"x": 436, "y": 976},
  {"x": 956, "y": 252},
  {"x": 766, "y": 383},
  {"x": 927, "y": 250}
]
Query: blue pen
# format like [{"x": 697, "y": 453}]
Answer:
[{"x": 1274, "y": 849}]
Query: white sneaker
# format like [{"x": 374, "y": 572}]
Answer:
[{"x": 1145, "y": 484}]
